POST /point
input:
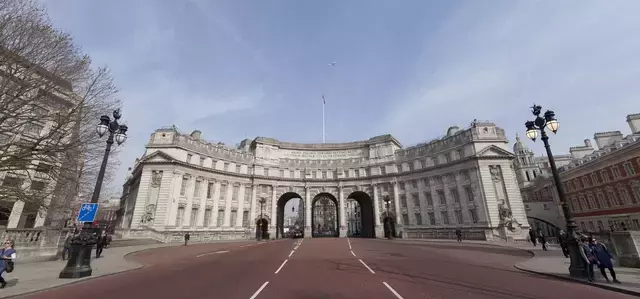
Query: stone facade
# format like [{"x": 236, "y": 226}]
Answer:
[{"x": 463, "y": 180}]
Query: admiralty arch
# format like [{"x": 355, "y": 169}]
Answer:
[{"x": 463, "y": 180}]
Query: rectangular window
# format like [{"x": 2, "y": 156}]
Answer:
[
  {"x": 207, "y": 217},
  {"x": 628, "y": 167},
  {"x": 324, "y": 174},
  {"x": 416, "y": 200},
  {"x": 183, "y": 186},
  {"x": 414, "y": 184},
  {"x": 223, "y": 192},
  {"x": 469, "y": 191},
  {"x": 445, "y": 217},
  {"x": 220, "y": 219},
  {"x": 281, "y": 173},
  {"x": 265, "y": 171},
  {"x": 234, "y": 217},
  {"x": 403, "y": 200},
  {"x": 291, "y": 174},
  {"x": 238, "y": 168},
  {"x": 428, "y": 198},
  {"x": 418, "y": 218},
  {"x": 455, "y": 194},
  {"x": 245, "y": 219},
  {"x": 234, "y": 196},
  {"x": 180, "y": 217},
  {"x": 210, "y": 187},
  {"x": 11, "y": 182},
  {"x": 226, "y": 166},
  {"x": 616, "y": 171},
  {"x": 460, "y": 154},
  {"x": 405, "y": 218},
  {"x": 432, "y": 218},
  {"x": 458, "y": 214},
  {"x": 441, "y": 197},
  {"x": 189, "y": 156},
  {"x": 201, "y": 161},
  {"x": 474, "y": 215}
]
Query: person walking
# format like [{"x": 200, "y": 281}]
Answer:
[
  {"x": 587, "y": 256},
  {"x": 562, "y": 240},
  {"x": 66, "y": 250},
  {"x": 605, "y": 259},
  {"x": 186, "y": 239},
  {"x": 542, "y": 239},
  {"x": 533, "y": 237},
  {"x": 7, "y": 256},
  {"x": 100, "y": 241},
  {"x": 459, "y": 235}
]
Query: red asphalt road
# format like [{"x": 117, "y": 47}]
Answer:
[{"x": 327, "y": 268}]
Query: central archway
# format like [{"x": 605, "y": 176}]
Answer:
[
  {"x": 282, "y": 201},
  {"x": 364, "y": 214},
  {"x": 324, "y": 216}
]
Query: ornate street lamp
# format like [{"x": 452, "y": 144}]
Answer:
[
  {"x": 548, "y": 121},
  {"x": 262, "y": 201},
  {"x": 387, "y": 203},
  {"x": 79, "y": 264}
]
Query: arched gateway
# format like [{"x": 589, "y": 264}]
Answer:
[{"x": 185, "y": 183}]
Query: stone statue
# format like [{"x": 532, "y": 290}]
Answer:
[
  {"x": 156, "y": 178},
  {"x": 148, "y": 214},
  {"x": 495, "y": 173}
]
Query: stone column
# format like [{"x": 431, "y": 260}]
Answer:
[
  {"x": 396, "y": 204},
  {"x": 240, "y": 211},
  {"x": 343, "y": 218},
  {"x": 16, "y": 214},
  {"x": 216, "y": 203},
  {"x": 174, "y": 194},
  {"x": 379, "y": 230},
  {"x": 274, "y": 207},
  {"x": 203, "y": 201},
  {"x": 252, "y": 206},
  {"x": 186, "y": 220},
  {"x": 307, "y": 213},
  {"x": 227, "y": 209}
]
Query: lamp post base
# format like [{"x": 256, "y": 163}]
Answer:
[
  {"x": 79, "y": 263},
  {"x": 577, "y": 268}
]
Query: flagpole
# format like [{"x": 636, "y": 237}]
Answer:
[{"x": 323, "y": 131}]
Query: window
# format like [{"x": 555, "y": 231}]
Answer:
[
  {"x": 234, "y": 195},
  {"x": 11, "y": 182},
  {"x": 403, "y": 200},
  {"x": 445, "y": 217},
  {"x": 220, "y": 219},
  {"x": 207, "y": 217},
  {"x": 383, "y": 170},
  {"x": 194, "y": 217},
  {"x": 628, "y": 168},
  {"x": 38, "y": 185},
  {"x": 455, "y": 194},
  {"x": 418, "y": 217},
  {"x": 474, "y": 215},
  {"x": 201, "y": 161},
  {"x": 585, "y": 181},
  {"x": 414, "y": 184},
  {"x": 281, "y": 173},
  {"x": 441, "y": 197},
  {"x": 234, "y": 217},
  {"x": 460, "y": 154},
  {"x": 189, "y": 156},
  {"x": 292, "y": 174},
  {"x": 402, "y": 186},
  {"x": 238, "y": 168},
  {"x": 183, "y": 186},
  {"x": 43, "y": 168},
  {"x": 432, "y": 218},
  {"x": 465, "y": 175},
  {"x": 616, "y": 172},
  {"x": 210, "y": 187},
  {"x": 245, "y": 219},
  {"x": 416, "y": 200},
  {"x": 594, "y": 179},
  {"x": 324, "y": 174},
  {"x": 545, "y": 206},
  {"x": 196, "y": 189},
  {"x": 180, "y": 217},
  {"x": 428, "y": 198},
  {"x": 265, "y": 171},
  {"x": 226, "y": 166},
  {"x": 458, "y": 214},
  {"x": 469, "y": 191},
  {"x": 223, "y": 192}
]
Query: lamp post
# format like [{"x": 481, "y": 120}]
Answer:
[
  {"x": 387, "y": 202},
  {"x": 79, "y": 264},
  {"x": 262, "y": 201},
  {"x": 548, "y": 121}
]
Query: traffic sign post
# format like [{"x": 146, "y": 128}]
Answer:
[{"x": 88, "y": 212}]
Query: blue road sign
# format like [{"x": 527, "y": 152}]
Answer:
[{"x": 88, "y": 212}]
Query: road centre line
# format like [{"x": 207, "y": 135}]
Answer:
[
  {"x": 290, "y": 254},
  {"x": 285, "y": 261},
  {"x": 392, "y": 290},
  {"x": 353, "y": 253},
  {"x": 210, "y": 253},
  {"x": 349, "y": 241},
  {"x": 367, "y": 267},
  {"x": 246, "y": 245},
  {"x": 259, "y": 290}
]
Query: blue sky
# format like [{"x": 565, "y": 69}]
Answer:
[{"x": 237, "y": 69}]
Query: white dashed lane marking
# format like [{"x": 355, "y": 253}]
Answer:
[
  {"x": 259, "y": 290},
  {"x": 283, "y": 263},
  {"x": 367, "y": 267},
  {"x": 392, "y": 290},
  {"x": 210, "y": 253},
  {"x": 353, "y": 253}
]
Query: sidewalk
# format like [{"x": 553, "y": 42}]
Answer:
[
  {"x": 33, "y": 277},
  {"x": 553, "y": 263}
]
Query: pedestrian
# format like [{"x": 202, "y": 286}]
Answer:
[
  {"x": 99, "y": 244},
  {"x": 562, "y": 240},
  {"x": 459, "y": 235},
  {"x": 605, "y": 259},
  {"x": 186, "y": 239},
  {"x": 66, "y": 250},
  {"x": 587, "y": 256},
  {"x": 8, "y": 256},
  {"x": 533, "y": 237},
  {"x": 543, "y": 241}
]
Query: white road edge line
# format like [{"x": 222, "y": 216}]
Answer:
[
  {"x": 290, "y": 254},
  {"x": 367, "y": 267},
  {"x": 392, "y": 290},
  {"x": 259, "y": 290},
  {"x": 349, "y": 241},
  {"x": 285, "y": 261},
  {"x": 210, "y": 253},
  {"x": 353, "y": 253}
]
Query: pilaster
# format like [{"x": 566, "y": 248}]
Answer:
[
  {"x": 227, "y": 209},
  {"x": 343, "y": 221},
  {"x": 307, "y": 212},
  {"x": 16, "y": 214},
  {"x": 216, "y": 203},
  {"x": 141, "y": 199},
  {"x": 202, "y": 200},
  {"x": 274, "y": 203},
  {"x": 240, "y": 212}
]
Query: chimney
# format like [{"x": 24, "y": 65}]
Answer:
[
  {"x": 634, "y": 123},
  {"x": 196, "y": 134},
  {"x": 606, "y": 138}
]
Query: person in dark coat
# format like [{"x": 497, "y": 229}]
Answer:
[
  {"x": 543, "y": 240},
  {"x": 459, "y": 235},
  {"x": 66, "y": 250},
  {"x": 604, "y": 258},
  {"x": 533, "y": 237},
  {"x": 186, "y": 239},
  {"x": 100, "y": 244}
]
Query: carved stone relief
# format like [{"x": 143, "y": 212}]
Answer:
[{"x": 156, "y": 178}]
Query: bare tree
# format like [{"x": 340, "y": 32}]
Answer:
[{"x": 50, "y": 103}]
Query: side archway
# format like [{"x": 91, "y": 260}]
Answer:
[
  {"x": 282, "y": 201},
  {"x": 363, "y": 214},
  {"x": 325, "y": 220}
]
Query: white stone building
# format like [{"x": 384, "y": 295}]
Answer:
[{"x": 463, "y": 180}]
